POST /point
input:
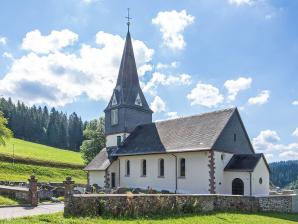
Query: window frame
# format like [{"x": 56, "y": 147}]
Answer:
[
  {"x": 161, "y": 167},
  {"x": 182, "y": 166},
  {"x": 143, "y": 168},
  {"x": 114, "y": 117}
]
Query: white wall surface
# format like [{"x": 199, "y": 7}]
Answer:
[
  {"x": 97, "y": 177},
  {"x": 230, "y": 176},
  {"x": 196, "y": 179},
  {"x": 111, "y": 140},
  {"x": 219, "y": 171},
  {"x": 114, "y": 167},
  {"x": 260, "y": 171}
]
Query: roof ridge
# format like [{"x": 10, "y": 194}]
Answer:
[{"x": 197, "y": 115}]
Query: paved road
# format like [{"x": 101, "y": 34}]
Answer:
[{"x": 14, "y": 212}]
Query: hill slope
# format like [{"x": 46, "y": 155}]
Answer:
[
  {"x": 48, "y": 164},
  {"x": 33, "y": 153},
  {"x": 284, "y": 173}
]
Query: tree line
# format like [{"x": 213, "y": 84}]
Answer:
[
  {"x": 284, "y": 173},
  {"x": 37, "y": 124}
]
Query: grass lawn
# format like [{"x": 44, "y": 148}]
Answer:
[
  {"x": 21, "y": 172},
  {"x": 32, "y": 151},
  {"x": 214, "y": 218},
  {"x": 7, "y": 201}
]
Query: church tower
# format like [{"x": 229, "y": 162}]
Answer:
[{"x": 128, "y": 107}]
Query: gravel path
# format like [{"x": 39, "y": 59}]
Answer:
[{"x": 14, "y": 212}]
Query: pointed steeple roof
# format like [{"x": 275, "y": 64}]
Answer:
[{"x": 128, "y": 91}]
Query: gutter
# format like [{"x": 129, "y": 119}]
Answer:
[{"x": 176, "y": 176}]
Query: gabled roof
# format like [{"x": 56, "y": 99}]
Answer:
[
  {"x": 102, "y": 160},
  {"x": 244, "y": 162},
  {"x": 192, "y": 133},
  {"x": 128, "y": 87}
]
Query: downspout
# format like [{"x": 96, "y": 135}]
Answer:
[
  {"x": 176, "y": 176},
  {"x": 250, "y": 184},
  {"x": 119, "y": 173}
]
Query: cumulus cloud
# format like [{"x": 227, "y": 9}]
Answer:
[
  {"x": 234, "y": 86},
  {"x": 172, "y": 25},
  {"x": 295, "y": 133},
  {"x": 242, "y": 2},
  {"x": 59, "y": 77},
  {"x": 205, "y": 95},
  {"x": 56, "y": 40},
  {"x": 260, "y": 99},
  {"x": 158, "y": 105},
  {"x": 7, "y": 55},
  {"x": 289, "y": 155},
  {"x": 161, "y": 66},
  {"x": 172, "y": 115},
  {"x": 3, "y": 40},
  {"x": 165, "y": 80},
  {"x": 295, "y": 103}
]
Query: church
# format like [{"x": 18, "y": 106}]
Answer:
[{"x": 208, "y": 153}]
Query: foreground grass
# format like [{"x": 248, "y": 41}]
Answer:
[
  {"x": 42, "y": 153},
  {"x": 21, "y": 172},
  {"x": 7, "y": 201},
  {"x": 213, "y": 218}
]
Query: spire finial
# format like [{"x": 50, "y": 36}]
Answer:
[{"x": 128, "y": 19}]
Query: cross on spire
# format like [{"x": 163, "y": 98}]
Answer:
[{"x": 128, "y": 18}]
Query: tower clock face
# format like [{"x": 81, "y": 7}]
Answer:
[{"x": 138, "y": 100}]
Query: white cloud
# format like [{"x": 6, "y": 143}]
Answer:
[
  {"x": 242, "y": 2},
  {"x": 59, "y": 77},
  {"x": 205, "y": 95},
  {"x": 172, "y": 115},
  {"x": 3, "y": 40},
  {"x": 172, "y": 25},
  {"x": 295, "y": 133},
  {"x": 56, "y": 40},
  {"x": 89, "y": 1},
  {"x": 158, "y": 105},
  {"x": 8, "y": 55},
  {"x": 165, "y": 80},
  {"x": 234, "y": 86},
  {"x": 295, "y": 103},
  {"x": 266, "y": 140},
  {"x": 161, "y": 66},
  {"x": 260, "y": 99},
  {"x": 289, "y": 155}
]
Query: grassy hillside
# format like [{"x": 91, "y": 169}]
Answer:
[
  {"x": 213, "y": 218},
  {"x": 21, "y": 172},
  {"x": 48, "y": 164},
  {"x": 39, "y": 154}
]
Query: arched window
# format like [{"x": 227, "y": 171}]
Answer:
[
  {"x": 237, "y": 187},
  {"x": 161, "y": 168},
  {"x": 144, "y": 167},
  {"x": 127, "y": 173},
  {"x": 182, "y": 167}
]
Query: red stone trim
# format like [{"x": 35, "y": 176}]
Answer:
[{"x": 211, "y": 165}]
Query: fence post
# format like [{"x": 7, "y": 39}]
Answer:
[
  {"x": 33, "y": 195},
  {"x": 68, "y": 185}
]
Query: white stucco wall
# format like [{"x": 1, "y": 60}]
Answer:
[
  {"x": 219, "y": 171},
  {"x": 230, "y": 176},
  {"x": 97, "y": 177},
  {"x": 114, "y": 167},
  {"x": 111, "y": 140},
  {"x": 260, "y": 171},
  {"x": 196, "y": 179}
]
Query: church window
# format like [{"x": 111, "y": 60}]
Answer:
[
  {"x": 118, "y": 140},
  {"x": 127, "y": 170},
  {"x": 143, "y": 168},
  {"x": 114, "y": 100},
  {"x": 138, "y": 100},
  {"x": 260, "y": 180},
  {"x": 182, "y": 167},
  {"x": 161, "y": 168},
  {"x": 235, "y": 137},
  {"x": 114, "y": 116}
]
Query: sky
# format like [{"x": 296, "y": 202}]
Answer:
[{"x": 193, "y": 56}]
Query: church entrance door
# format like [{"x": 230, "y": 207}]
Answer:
[{"x": 237, "y": 187}]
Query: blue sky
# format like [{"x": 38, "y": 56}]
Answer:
[{"x": 193, "y": 56}]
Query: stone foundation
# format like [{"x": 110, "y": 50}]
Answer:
[{"x": 149, "y": 204}]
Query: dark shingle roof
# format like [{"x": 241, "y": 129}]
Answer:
[
  {"x": 192, "y": 133},
  {"x": 243, "y": 162},
  {"x": 102, "y": 160}
]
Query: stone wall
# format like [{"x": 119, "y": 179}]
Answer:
[
  {"x": 18, "y": 193},
  {"x": 146, "y": 204}
]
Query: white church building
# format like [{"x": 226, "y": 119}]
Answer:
[{"x": 208, "y": 153}]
